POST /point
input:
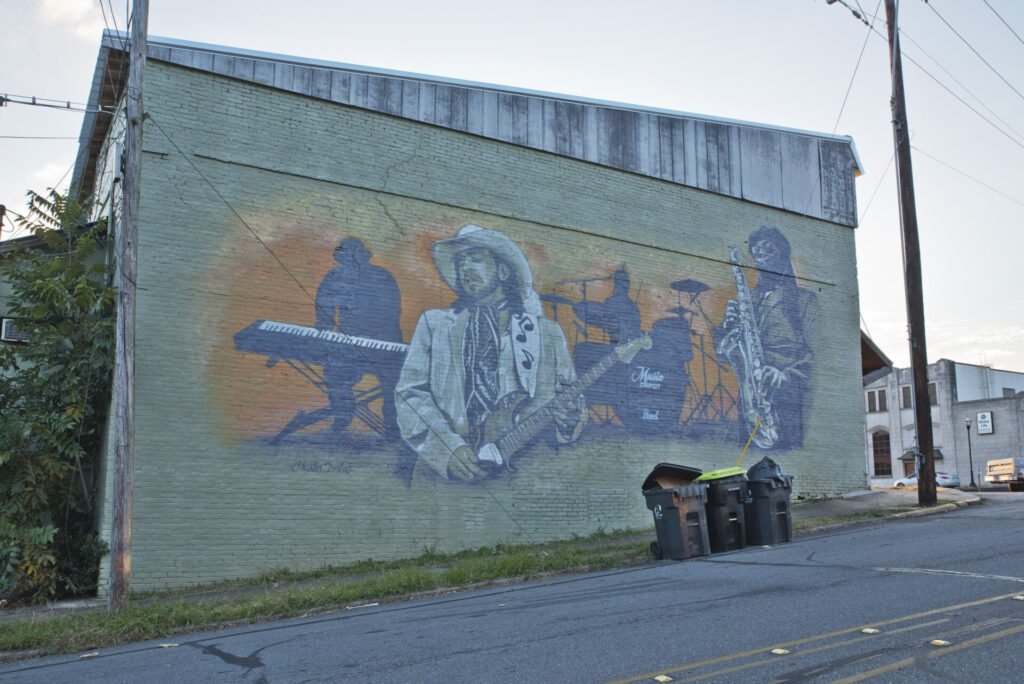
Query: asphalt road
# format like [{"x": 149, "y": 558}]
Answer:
[{"x": 950, "y": 577}]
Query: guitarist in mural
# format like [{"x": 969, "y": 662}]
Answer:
[
  {"x": 491, "y": 353},
  {"x": 764, "y": 338}
]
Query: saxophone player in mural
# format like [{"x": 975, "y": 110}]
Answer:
[{"x": 764, "y": 338}]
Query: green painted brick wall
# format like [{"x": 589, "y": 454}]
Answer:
[{"x": 233, "y": 172}]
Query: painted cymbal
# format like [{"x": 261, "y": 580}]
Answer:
[
  {"x": 555, "y": 299},
  {"x": 689, "y": 285}
]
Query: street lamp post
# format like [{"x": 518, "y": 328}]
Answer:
[{"x": 970, "y": 456}]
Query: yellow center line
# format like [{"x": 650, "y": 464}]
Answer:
[
  {"x": 938, "y": 653},
  {"x": 805, "y": 640},
  {"x": 776, "y": 659}
]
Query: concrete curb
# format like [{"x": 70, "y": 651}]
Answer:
[
  {"x": 965, "y": 499},
  {"x": 969, "y": 500}
]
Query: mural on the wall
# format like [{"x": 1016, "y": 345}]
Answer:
[
  {"x": 763, "y": 337},
  {"x": 496, "y": 370},
  {"x": 357, "y": 333}
]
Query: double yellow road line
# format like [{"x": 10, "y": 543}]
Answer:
[{"x": 732, "y": 657}]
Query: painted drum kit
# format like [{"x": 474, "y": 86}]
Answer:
[{"x": 648, "y": 394}]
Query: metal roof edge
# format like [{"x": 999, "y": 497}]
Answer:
[
  {"x": 441, "y": 80},
  {"x": 89, "y": 119}
]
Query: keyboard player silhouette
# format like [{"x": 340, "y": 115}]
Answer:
[
  {"x": 359, "y": 299},
  {"x": 357, "y": 333}
]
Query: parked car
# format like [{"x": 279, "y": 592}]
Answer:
[{"x": 941, "y": 479}]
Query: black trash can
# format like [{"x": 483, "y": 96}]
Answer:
[
  {"x": 768, "y": 513},
  {"x": 725, "y": 512},
  {"x": 680, "y": 521}
]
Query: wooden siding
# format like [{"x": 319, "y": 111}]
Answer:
[{"x": 790, "y": 170}]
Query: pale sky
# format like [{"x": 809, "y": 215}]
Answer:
[{"x": 784, "y": 62}]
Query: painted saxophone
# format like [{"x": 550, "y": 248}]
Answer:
[{"x": 754, "y": 395}]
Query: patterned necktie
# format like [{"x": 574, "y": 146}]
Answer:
[{"x": 480, "y": 360}]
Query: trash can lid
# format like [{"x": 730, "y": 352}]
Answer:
[
  {"x": 766, "y": 469},
  {"x": 721, "y": 473},
  {"x": 668, "y": 475}
]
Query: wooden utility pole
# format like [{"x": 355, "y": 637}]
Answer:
[
  {"x": 124, "y": 362},
  {"x": 911, "y": 268}
]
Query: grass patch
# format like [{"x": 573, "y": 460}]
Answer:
[
  {"x": 286, "y": 593},
  {"x": 813, "y": 523}
]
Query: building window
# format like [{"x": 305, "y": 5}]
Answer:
[
  {"x": 1008, "y": 393},
  {"x": 876, "y": 401},
  {"x": 9, "y": 331},
  {"x": 907, "y": 396},
  {"x": 881, "y": 454}
]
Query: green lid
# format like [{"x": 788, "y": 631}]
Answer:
[{"x": 719, "y": 474}]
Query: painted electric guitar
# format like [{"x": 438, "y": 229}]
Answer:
[{"x": 515, "y": 420}]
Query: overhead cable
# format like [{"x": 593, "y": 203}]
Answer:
[
  {"x": 856, "y": 67},
  {"x": 967, "y": 90},
  {"x": 40, "y": 102},
  {"x": 1015, "y": 34},
  {"x": 971, "y": 47},
  {"x": 968, "y": 176}
]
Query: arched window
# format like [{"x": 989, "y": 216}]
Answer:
[{"x": 882, "y": 455}]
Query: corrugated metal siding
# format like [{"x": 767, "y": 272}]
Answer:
[{"x": 787, "y": 170}]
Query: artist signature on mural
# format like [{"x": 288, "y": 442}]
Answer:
[
  {"x": 320, "y": 467},
  {"x": 647, "y": 378},
  {"x": 650, "y": 415}
]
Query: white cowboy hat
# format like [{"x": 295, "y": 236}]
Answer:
[{"x": 443, "y": 253}]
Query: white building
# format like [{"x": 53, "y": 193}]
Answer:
[{"x": 992, "y": 399}]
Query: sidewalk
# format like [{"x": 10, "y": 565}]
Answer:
[{"x": 865, "y": 501}]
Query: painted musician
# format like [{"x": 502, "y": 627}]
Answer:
[
  {"x": 618, "y": 315},
  {"x": 782, "y": 312},
  {"x": 492, "y": 342},
  {"x": 361, "y": 299}
]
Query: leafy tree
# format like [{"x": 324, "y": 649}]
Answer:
[{"x": 54, "y": 394}]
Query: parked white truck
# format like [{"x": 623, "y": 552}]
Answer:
[{"x": 1006, "y": 470}]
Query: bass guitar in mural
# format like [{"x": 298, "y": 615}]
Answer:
[{"x": 516, "y": 420}]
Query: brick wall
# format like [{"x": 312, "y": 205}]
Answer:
[{"x": 242, "y": 226}]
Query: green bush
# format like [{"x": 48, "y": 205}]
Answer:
[{"x": 54, "y": 393}]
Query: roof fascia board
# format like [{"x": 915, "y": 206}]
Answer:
[{"x": 561, "y": 97}]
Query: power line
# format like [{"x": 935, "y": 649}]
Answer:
[
  {"x": 968, "y": 176},
  {"x": 1004, "y": 21},
  {"x": 967, "y": 90},
  {"x": 47, "y": 99},
  {"x": 858, "y": 14},
  {"x": 942, "y": 85},
  {"x": 39, "y": 102},
  {"x": 114, "y": 18},
  {"x": 968, "y": 44},
  {"x": 856, "y": 67},
  {"x": 877, "y": 188}
]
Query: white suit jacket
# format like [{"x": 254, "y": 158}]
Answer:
[{"x": 430, "y": 392}]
